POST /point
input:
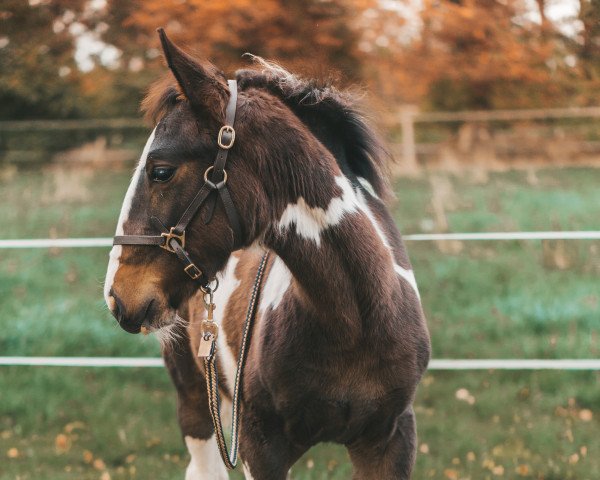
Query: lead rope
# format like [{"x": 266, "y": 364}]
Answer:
[{"x": 208, "y": 352}]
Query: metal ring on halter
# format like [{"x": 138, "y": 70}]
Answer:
[
  {"x": 207, "y": 289},
  {"x": 224, "y": 181}
]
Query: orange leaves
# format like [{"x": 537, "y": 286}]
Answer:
[
  {"x": 13, "y": 453},
  {"x": 480, "y": 44},
  {"x": 523, "y": 470},
  {"x": 463, "y": 395},
  {"x": 467, "y": 54},
  {"x": 62, "y": 443},
  {"x": 586, "y": 415},
  {"x": 88, "y": 457},
  {"x": 306, "y": 34},
  {"x": 97, "y": 464},
  {"x": 574, "y": 412},
  {"x": 451, "y": 474},
  {"x": 71, "y": 427}
]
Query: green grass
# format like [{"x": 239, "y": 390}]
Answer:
[{"x": 483, "y": 300}]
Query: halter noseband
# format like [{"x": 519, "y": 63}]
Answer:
[{"x": 173, "y": 240}]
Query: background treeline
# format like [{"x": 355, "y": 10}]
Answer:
[{"x": 94, "y": 58}]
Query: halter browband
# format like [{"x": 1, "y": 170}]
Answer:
[{"x": 173, "y": 240}]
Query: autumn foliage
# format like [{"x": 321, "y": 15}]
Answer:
[
  {"x": 445, "y": 54},
  {"x": 305, "y": 34}
]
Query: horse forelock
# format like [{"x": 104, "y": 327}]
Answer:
[{"x": 160, "y": 99}]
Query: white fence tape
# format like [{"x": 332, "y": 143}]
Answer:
[
  {"x": 107, "y": 242},
  {"x": 436, "y": 364},
  {"x": 56, "y": 243},
  {"x": 575, "y": 235},
  {"x": 514, "y": 364},
  {"x": 83, "y": 361}
]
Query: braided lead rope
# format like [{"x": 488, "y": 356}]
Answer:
[{"x": 212, "y": 380}]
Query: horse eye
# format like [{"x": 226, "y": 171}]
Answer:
[{"x": 162, "y": 174}]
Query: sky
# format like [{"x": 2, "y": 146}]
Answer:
[{"x": 562, "y": 13}]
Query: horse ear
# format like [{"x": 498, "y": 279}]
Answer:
[{"x": 202, "y": 83}]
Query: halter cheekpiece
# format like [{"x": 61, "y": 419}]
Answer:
[
  {"x": 173, "y": 240},
  {"x": 215, "y": 184}
]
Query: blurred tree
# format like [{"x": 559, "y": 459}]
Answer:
[
  {"x": 313, "y": 36},
  {"x": 589, "y": 14},
  {"x": 482, "y": 54},
  {"x": 39, "y": 74},
  {"x": 441, "y": 54}
]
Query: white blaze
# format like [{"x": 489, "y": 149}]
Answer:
[{"x": 115, "y": 253}]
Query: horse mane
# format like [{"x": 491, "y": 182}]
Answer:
[{"x": 332, "y": 115}]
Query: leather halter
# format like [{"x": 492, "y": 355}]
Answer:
[{"x": 173, "y": 239}]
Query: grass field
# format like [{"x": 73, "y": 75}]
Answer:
[{"x": 483, "y": 300}]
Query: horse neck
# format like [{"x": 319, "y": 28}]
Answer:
[{"x": 342, "y": 256}]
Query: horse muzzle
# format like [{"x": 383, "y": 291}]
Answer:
[{"x": 132, "y": 320}]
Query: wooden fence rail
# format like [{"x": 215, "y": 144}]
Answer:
[
  {"x": 409, "y": 115},
  {"x": 87, "y": 124}
]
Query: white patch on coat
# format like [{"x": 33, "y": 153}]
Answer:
[
  {"x": 368, "y": 187},
  {"x": 311, "y": 221},
  {"x": 364, "y": 206},
  {"x": 407, "y": 275},
  {"x": 228, "y": 283},
  {"x": 247, "y": 473},
  {"x": 277, "y": 284},
  {"x": 115, "y": 253},
  {"x": 206, "y": 463}
]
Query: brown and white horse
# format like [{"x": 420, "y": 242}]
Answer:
[{"x": 340, "y": 341}]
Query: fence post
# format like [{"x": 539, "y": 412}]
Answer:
[{"x": 409, "y": 151}]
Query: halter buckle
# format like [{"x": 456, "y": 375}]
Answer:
[
  {"x": 226, "y": 129},
  {"x": 171, "y": 235},
  {"x": 193, "y": 271}
]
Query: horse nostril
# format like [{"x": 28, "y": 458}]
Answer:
[
  {"x": 130, "y": 320},
  {"x": 110, "y": 302},
  {"x": 116, "y": 308}
]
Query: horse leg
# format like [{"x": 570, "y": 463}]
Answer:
[
  {"x": 192, "y": 412},
  {"x": 392, "y": 457},
  {"x": 266, "y": 452}
]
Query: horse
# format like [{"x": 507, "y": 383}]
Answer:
[{"x": 338, "y": 339}]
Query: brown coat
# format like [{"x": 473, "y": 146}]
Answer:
[{"x": 340, "y": 341}]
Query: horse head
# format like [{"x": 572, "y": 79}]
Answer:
[{"x": 267, "y": 167}]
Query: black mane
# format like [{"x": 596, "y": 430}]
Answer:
[{"x": 332, "y": 116}]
